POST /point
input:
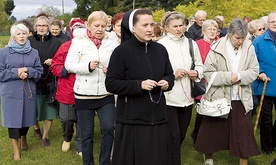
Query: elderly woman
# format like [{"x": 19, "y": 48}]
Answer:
[
  {"x": 20, "y": 69},
  {"x": 139, "y": 72},
  {"x": 47, "y": 45},
  {"x": 209, "y": 31},
  {"x": 256, "y": 28},
  {"x": 116, "y": 27},
  {"x": 179, "y": 101},
  {"x": 234, "y": 60},
  {"x": 88, "y": 57}
]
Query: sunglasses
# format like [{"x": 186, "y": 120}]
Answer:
[{"x": 260, "y": 29}]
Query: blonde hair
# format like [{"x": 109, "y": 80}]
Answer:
[
  {"x": 253, "y": 25},
  {"x": 208, "y": 23},
  {"x": 95, "y": 15}
]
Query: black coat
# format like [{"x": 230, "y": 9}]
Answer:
[
  {"x": 130, "y": 64},
  {"x": 47, "y": 47},
  {"x": 195, "y": 32}
]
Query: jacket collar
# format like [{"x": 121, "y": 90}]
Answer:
[
  {"x": 219, "y": 45},
  {"x": 267, "y": 36},
  {"x": 42, "y": 38},
  {"x": 197, "y": 26}
]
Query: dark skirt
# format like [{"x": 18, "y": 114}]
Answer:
[
  {"x": 45, "y": 111},
  {"x": 16, "y": 133},
  {"x": 141, "y": 145},
  {"x": 234, "y": 134}
]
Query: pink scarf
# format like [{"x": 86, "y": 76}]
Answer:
[{"x": 96, "y": 41}]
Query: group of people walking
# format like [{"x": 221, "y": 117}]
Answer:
[{"x": 138, "y": 88}]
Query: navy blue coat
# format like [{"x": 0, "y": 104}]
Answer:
[{"x": 17, "y": 109}]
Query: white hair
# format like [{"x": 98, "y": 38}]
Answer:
[
  {"x": 16, "y": 27},
  {"x": 200, "y": 12}
]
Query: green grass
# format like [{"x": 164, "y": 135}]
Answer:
[
  {"x": 54, "y": 156},
  {"x": 4, "y": 41}
]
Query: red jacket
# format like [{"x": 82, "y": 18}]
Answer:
[{"x": 65, "y": 93}]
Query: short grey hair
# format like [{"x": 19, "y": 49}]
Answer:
[
  {"x": 200, "y": 12},
  {"x": 42, "y": 18},
  {"x": 16, "y": 27},
  {"x": 238, "y": 27},
  {"x": 271, "y": 14},
  {"x": 169, "y": 16}
]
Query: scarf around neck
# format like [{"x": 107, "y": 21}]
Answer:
[
  {"x": 272, "y": 34},
  {"x": 97, "y": 42},
  {"x": 26, "y": 48}
]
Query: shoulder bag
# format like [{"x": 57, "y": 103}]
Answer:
[
  {"x": 197, "y": 88},
  {"x": 215, "y": 108}
]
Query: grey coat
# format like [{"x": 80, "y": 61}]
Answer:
[
  {"x": 17, "y": 109},
  {"x": 218, "y": 61}
]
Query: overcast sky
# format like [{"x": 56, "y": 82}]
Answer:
[{"x": 25, "y": 8}]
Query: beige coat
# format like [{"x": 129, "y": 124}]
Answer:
[{"x": 218, "y": 61}]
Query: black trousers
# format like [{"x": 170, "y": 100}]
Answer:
[
  {"x": 267, "y": 128},
  {"x": 16, "y": 133},
  {"x": 178, "y": 121}
]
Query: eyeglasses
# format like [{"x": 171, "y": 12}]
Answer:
[
  {"x": 212, "y": 29},
  {"x": 201, "y": 20},
  {"x": 261, "y": 29},
  {"x": 41, "y": 26}
]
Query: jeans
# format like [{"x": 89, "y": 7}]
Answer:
[{"x": 106, "y": 116}]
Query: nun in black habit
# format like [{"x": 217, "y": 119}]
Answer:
[{"x": 139, "y": 72}]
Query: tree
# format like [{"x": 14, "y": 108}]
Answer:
[
  {"x": 230, "y": 9},
  {"x": 4, "y": 19},
  {"x": 66, "y": 17},
  {"x": 9, "y": 7},
  {"x": 111, "y": 7},
  {"x": 49, "y": 10},
  {"x": 3, "y": 14},
  {"x": 82, "y": 9}
]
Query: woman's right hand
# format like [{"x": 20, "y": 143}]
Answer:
[
  {"x": 148, "y": 84},
  {"x": 23, "y": 73}
]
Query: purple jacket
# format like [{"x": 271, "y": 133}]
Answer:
[{"x": 17, "y": 109}]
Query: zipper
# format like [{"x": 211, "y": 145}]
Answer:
[
  {"x": 151, "y": 75},
  {"x": 98, "y": 71}
]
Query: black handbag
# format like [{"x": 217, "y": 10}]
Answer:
[
  {"x": 51, "y": 91},
  {"x": 197, "y": 88}
]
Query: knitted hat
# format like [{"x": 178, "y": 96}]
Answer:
[{"x": 76, "y": 22}]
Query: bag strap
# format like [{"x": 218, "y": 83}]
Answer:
[
  {"x": 192, "y": 53},
  {"x": 211, "y": 81}
]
